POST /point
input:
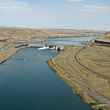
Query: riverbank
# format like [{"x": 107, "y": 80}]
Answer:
[
  {"x": 87, "y": 71},
  {"x": 70, "y": 81},
  {"x": 73, "y": 84},
  {"x": 27, "y": 83},
  {"x": 12, "y": 36},
  {"x": 6, "y": 54}
]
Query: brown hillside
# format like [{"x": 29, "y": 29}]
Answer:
[{"x": 107, "y": 35}]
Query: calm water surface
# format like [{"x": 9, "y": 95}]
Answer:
[
  {"x": 27, "y": 83},
  {"x": 70, "y": 40}
]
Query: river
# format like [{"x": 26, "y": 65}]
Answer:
[
  {"x": 78, "y": 41},
  {"x": 27, "y": 83}
]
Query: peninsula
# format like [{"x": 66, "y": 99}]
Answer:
[{"x": 87, "y": 70}]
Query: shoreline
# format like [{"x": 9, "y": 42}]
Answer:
[
  {"x": 74, "y": 85},
  {"x": 71, "y": 77},
  {"x": 60, "y": 72},
  {"x": 79, "y": 78},
  {"x": 7, "y": 54}
]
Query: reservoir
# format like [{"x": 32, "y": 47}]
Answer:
[
  {"x": 27, "y": 83},
  {"x": 78, "y": 41}
]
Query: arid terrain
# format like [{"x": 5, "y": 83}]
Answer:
[
  {"x": 107, "y": 35},
  {"x": 87, "y": 70},
  {"x": 10, "y": 36}
]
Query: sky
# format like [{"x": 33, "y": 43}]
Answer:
[{"x": 75, "y": 14}]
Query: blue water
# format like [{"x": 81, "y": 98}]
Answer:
[
  {"x": 70, "y": 40},
  {"x": 27, "y": 83}
]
